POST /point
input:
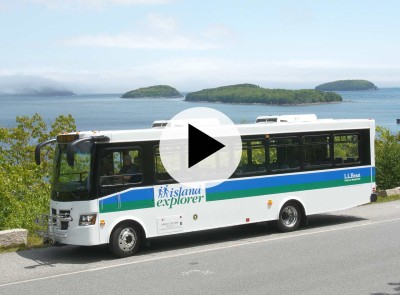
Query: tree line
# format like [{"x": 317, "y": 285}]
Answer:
[
  {"x": 347, "y": 85},
  {"x": 249, "y": 93},
  {"x": 153, "y": 91}
]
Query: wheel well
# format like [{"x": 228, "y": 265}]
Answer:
[
  {"x": 133, "y": 223},
  {"x": 302, "y": 210}
]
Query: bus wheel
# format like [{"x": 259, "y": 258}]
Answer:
[
  {"x": 125, "y": 240},
  {"x": 289, "y": 217}
]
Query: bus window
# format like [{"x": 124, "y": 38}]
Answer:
[
  {"x": 316, "y": 151},
  {"x": 160, "y": 173},
  {"x": 253, "y": 158},
  {"x": 121, "y": 167},
  {"x": 284, "y": 154},
  {"x": 346, "y": 149}
]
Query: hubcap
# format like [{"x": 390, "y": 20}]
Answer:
[
  {"x": 127, "y": 239},
  {"x": 289, "y": 216}
]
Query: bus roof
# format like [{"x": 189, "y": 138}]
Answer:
[
  {"x": 286, "y": 118},
  {"x": 151, "y": 134}
]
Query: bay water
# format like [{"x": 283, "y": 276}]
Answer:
[{"x": 110, "y": 112}]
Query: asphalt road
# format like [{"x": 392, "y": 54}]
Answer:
[{"x": 356, "y": 251}]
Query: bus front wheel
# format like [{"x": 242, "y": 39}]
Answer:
[
  {"x": 125, "y": 240},
  {"x": 289, "y": 217}
]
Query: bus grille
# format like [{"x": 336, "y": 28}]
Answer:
[{"x": 64, "y": 224}]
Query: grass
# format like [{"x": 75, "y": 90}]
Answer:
[
  {"x": 388, "y": 199},
  {"x": 34, "y": 241}
]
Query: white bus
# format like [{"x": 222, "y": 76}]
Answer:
[{"x": 288, "y": 171}]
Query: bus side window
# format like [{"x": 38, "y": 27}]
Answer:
[
  {"x": 346, "y": 149},
  {"x": 253, "y": 158},
  {"x": 160, "y": 173},
  {"x": 284, "y": 154},
  {"x": 317, "y": 151},
  {"x": 121, "y": 167}
]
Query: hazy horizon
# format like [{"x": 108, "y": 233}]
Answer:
[{"x": 17, "y": 85}]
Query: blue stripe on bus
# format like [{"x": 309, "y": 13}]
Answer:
[
  {"x": 137, "y": 195},
  {"x": 110, "y": 200},
  {"x": 280, "y": 180},
  {"x": 141, "y": 194}
]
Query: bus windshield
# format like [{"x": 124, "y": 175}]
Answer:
[{"x": 72, "y": 183}]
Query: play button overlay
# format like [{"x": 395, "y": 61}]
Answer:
[
  {"x": 199, "y": 145},
  {"x": 199, "y": 139}
]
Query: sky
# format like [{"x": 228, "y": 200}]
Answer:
[{"x": 112, "y": 46}]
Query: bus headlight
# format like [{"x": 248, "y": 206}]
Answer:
[{"x": 88, "y": 219}]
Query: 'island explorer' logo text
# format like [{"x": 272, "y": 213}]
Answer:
[{"x": 170, "y": 195}]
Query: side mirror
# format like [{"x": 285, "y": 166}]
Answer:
[{"x": 39, "y": 146}]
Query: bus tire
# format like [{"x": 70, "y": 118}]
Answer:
[
  {"x": 125, "y": 240},
  {"x": 289, "y": 217}
]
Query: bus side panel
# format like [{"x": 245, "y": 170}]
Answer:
[
  {"x": 238, "y": 201},
  {"x": 235, "y": 211},
  {"x": 334, "y": 199}
]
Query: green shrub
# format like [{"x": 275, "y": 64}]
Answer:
[
  {"x": 387, "y": 155},
  {"x": 24, "y": 190}
]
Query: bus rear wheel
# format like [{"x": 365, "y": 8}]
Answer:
[
  {"x": 289, "y": 217},
  {"x": 125, "y": 240}
]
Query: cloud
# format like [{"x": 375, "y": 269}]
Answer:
[
  {"x": 90, "y": 4},
  {"x": 22, "y": 84},
  {"x": 219, "y": 31},
  {"x": 141, "y": 41},
  {"x": 156, "y": 32},
  {"x": 297, "y": 14}
]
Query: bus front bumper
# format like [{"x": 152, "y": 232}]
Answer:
[
  {"x": 51, "y": 227},
  {"x": 60, "y": 229}
]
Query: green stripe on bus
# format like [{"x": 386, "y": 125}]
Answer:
[
  {"x": 282, "y": 189},
  {"x": 142, "y": 204},
  {"x": 109, "y": 208}
]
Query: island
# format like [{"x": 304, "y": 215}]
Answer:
[
  {"x": 45, "y": 91},
  {"x": 153, "y": 91},
  {"x": 347, "y": 85},
  {"x": 251, "y": 94},
  {"x": 48, "y": 91}
]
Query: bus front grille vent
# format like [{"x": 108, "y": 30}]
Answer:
[{"x": 64, "y": 224}]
